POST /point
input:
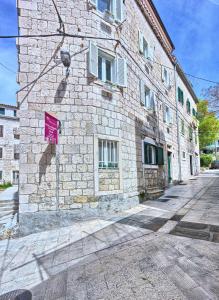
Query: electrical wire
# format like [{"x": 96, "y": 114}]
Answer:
[
  {"x": 61, "y": 26},
  {"x": 97, "y": 38}
]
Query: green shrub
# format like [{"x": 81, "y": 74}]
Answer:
[
  {"x": 206, "y": 160},
  {"x": 5, "y": 185}
]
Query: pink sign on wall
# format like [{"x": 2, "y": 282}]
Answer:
[{"x": 51, "y": 129}]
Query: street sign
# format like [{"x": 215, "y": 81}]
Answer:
[{"x": 51, "y": 129}]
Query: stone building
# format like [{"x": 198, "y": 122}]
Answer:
[
  {"x": 9, "y": 144},
  {"x": 121, "y": 110}
]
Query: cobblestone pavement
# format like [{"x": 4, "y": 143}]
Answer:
[{"x": 132, "y": 255}]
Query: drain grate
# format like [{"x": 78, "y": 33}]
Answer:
[{"x": 171, "y": 196}]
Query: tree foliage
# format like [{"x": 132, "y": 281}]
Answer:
[
  {"x": 208, "y": 125},
  {"x": 206, "y": 160}
]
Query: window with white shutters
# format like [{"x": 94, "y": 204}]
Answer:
[
  {"x": 107, "y": 68},
  {"x": 108, "y": 154},
  {"x": 147, "y": 96},
  {"x": 113, "y": 7}
]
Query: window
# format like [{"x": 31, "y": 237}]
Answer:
[
  {"x": 153, "y": 155},
  {"x": 114, "y": 7},
  {"x": 180, "y": 96},
  {"x": 144, "y": 48},
  {"x": 104, "y": 5},
  {"x": 168, "y": 115},
  {"x": 1, "y": 175},
  {"x": 190, "y": 134},
  {"x": 15, "y": 113},
  {"x": 1, "y": 130},
  {"x": 194, "y": 113},
  {"x": 184, "y": 155},
  {"x": 1, "y": 152},
  {"x": 182, "y": 127},
  {"x": 108, "y": 154},
  {"x": 106, "y": 67},
  {"x": 147, "y": 96},
  {"x": 166, "y": 77},
  {"x": 188, "y": 107},
  {"x": 2, "y": 111},
  {"x": 16, "y": 156}
]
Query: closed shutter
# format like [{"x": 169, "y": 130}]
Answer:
[
  {"x": 162, "y": 73},
  {"x": 164, "y": 113},
  {"x": 160, "y": 157},
  {"x": 93, "y": 59},
  {"x": 121, "y": 71},
  {"x": 151, "y": 53},
  {"x": 169, "y": 79},
  {"x": 146, "y": 156},
  {"x": 140, "y": 42},
  {"x": 119, "y": 10},
  {"x": 171, "y": 116},
  {"x": 142, "y": 92},
  {"x": 93, "y": 2},
  {"x": 152, "y": 100}
]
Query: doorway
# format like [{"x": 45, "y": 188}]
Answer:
[
  {"x": 169, "y": 159},
  {"x": 191, "y": 165},
  {"x": 15, "y": 177}
]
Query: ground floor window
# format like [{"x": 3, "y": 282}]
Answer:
[
  {"x": 153, "y": 155},
  {"x": 108, "y": 154},
  {"x": 15, "y": 177},
  {"x": 0, "y": 175}
]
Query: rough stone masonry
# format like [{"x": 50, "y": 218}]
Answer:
[{"x": 111, "y": 128}]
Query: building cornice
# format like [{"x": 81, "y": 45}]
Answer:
[
  {"x": 8, "y": 106},
  {"x": 152, "y": 16}
]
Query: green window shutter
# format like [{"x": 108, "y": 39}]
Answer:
[
  {"x": 160, "y": 156},
  {"x": 179, "y": 94},
  {"x": 182, "y": 97},
  {"x": 146, "y": 158}
]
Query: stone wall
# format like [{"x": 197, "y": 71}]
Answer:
[
  {"x": 86, "y": 112},
  {"x": 109, "y": 180},
  {"x": 9, "y": 145}
]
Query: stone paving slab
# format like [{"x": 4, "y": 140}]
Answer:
[{"x": 119, "y": 257}]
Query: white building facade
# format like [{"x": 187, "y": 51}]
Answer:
[
  {"x": 119, "y": 109},
  {"x": 9, "y": 144}
]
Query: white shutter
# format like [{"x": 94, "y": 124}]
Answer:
[
  {"x": 142, "y": 92},
  {"x": 121, "y": 68},
  {"x": 119, "y": 10},
  {"x": 152, "y": 100},
  {"x": 162, "y": 73},
  {"x": 141, "y": 42},
  {"x": 169, "y": 79},
  {"x": 164, "y": 113},
  {"x": 93, "y": 59},
  {"x": 93, "y": 2},
  {"x": 151, "y": 53},
  {"x": 171, "y": 116}
]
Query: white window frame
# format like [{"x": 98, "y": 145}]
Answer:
[
  {"x": 118, "y": 66},
  {"x": 108, "y": 155},
  {"x": 116, "y": 12},
  {"x": 106, "y": 57}
]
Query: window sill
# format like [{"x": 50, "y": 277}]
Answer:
[
  {"x": 109, "y": 87},
  {"x": 151, "y": 166},
  {"x": 109, "y": 169}
]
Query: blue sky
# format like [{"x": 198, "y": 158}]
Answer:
[{"x": 192, "y": 24}]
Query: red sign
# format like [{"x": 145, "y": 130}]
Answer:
[{"x": 51, "y": 129}]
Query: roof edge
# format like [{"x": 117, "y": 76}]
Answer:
[{"x": 186, "y": 82}]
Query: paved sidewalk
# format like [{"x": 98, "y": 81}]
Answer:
[{"x": 128, "y": 256}]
